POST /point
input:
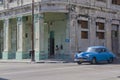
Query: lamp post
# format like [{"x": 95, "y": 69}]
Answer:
[{"x": 32, "y": 29}]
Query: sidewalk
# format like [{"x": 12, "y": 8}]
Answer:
[
  {"x": 15, "y": 61},
  {"x": 29, "y": 61},
  {"x": 117, "y": 61}
]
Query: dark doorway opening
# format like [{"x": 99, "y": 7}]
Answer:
[{"x": 51, "y": 46}]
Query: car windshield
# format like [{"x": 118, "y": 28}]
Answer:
[{"x": 93, "y": 50}]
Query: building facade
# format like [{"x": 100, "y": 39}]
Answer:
[{"x": 61, "y": 27}]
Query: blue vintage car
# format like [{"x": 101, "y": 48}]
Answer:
[{"x": 94, "y": 54}]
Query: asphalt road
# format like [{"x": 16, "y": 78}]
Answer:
[{"x": 59, "y": 71}]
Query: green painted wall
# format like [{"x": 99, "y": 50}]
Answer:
[
  {"x": 1, "y": 38},
  {"x": 27, "y": 36},
  {"x": 56, "y": 22},
  {"x": 13, "y": 38}
]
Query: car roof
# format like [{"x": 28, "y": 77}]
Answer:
[{"x": 97, "y": 47}]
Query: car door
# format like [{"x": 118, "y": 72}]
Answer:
[
  {"x": 105, "y": 54},
  {"x": 102, "y": 54}
]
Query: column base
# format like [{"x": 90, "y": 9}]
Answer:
[
  {"x": 40, "y": 55},
  {"x": 8, "y": 55},
  {"x": 22, "y": 55}
]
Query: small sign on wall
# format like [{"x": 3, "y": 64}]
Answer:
[{"x": 67, "y": 40}]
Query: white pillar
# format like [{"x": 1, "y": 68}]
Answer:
[
  {"x": 19, "y": 53},
  {"x": 39, "y": 37},
  {"x": 6, "y": 39},
  {"x": 73, "y": 34}
]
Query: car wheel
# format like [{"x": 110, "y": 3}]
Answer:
[
  {"x": 110, "y": 60},
  {"x": 78, "y": 62},
  {"x": 94, "y": 61}
]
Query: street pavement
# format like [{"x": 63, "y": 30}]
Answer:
[
  {"x": 59, "y": 71},
  {"x": 44, "y": 61}
]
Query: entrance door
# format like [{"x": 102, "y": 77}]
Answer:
[
  {"x": 115, "y": 39},
  {"x": 51, "y": 44}
]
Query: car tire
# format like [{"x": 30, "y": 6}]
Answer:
[
  {"x": 110, "y": 60},
  {"x": 93, "y": 61},
  {"x": 78, "y": 62}
]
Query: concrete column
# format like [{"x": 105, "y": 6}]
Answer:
[
  {"x": 19, "y": 53},
  {"x": 109, "y": 2},
  {"x": 108, "y": 34},
  {"x": 119, "y": 40},
  {"x": 39, "y": 37},
  {"x": 73, "y": 34},
  {"x": 6, "y": 52},
  {"x": 92, "y": 26},
  {"x": 67, "y": 40}
]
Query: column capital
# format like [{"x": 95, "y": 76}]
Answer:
[
  {"x": 6, "y": 20},
  {"x": 19, "y": 19},
  {"x": 38, "y": 17}
]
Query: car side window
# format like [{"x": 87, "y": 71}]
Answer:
[
  {"x": 99, "y": 50},
  {"x": 104, "y": 50}
]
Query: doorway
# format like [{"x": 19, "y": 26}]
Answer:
[{"x": 51, "y": 44}]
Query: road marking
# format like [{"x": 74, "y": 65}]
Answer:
[{"x": 92, "y": 68}]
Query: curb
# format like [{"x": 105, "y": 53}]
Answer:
[
  {"x": 26, "y": 61},
  {"x": 14, "y": 61},
  {"x": 53, "y": 62}
]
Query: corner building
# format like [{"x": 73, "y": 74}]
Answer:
[{"x": 61, "y": 27}]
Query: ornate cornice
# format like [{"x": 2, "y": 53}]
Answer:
[{"x": 54, "y": 6}]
